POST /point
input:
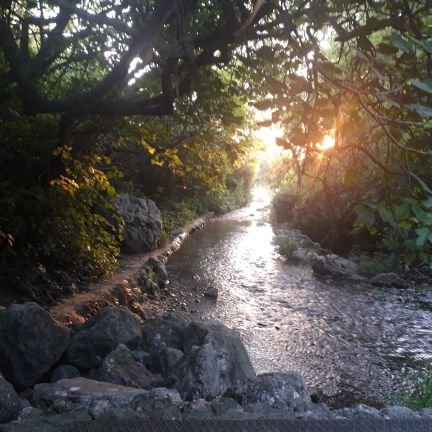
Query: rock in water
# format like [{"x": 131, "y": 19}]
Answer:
[
  {"x": 101, "y": 334},
  {"x": 389, "y": 280},
  {"x": 30, "y": 343},
  {"x": 9, "y": 401},
  {"x": 336, "y": 266},
  {"x": 142, "y": 223}
]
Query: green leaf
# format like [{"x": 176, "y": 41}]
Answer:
[
  {"x": 422, "y": 85},
  {"x": 421, "y": 110},
  {"x": 398, "y": 41},
  {"x": 364, "y": 216},
  {"x": 402, "y": 211},
  {"x": 386, "y": 215},
  {"x": 428, "y": 202},
  {"x": 422, "y": 236}
]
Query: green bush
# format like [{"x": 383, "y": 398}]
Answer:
[
  {"x": 422, "y": 394},
  {"x": 175, "y": 215},
  {"x": 286, "y": 246}
]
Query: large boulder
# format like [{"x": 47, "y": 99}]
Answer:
[
  {"x": 101, "y": 334},
  {"x": 215, "y": 360},
  {"x": 120, "y": 367},
  {"x": 84, "y": 393},
  {"x": 281, "y": 391},
  {"x": 165, "y": 332},
  {"x": 10, "y": 404},
  {"x": 142, "y": 223},
  {"x": 30, "y": 343}
]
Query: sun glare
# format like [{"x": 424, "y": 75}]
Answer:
[
  {"x": 268, "y": 135},
  {"x": 327, "y": 143}
]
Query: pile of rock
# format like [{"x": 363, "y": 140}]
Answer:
[{"x": 115, "y": 366}]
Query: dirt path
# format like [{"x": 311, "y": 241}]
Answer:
[{"x": 76, "y": 309}]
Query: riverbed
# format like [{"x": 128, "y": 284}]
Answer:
[{"x": 354, "y": 342}]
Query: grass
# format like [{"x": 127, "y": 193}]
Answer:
[{"x": 421, "y": 397}]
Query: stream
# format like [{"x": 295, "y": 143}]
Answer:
[{"x": 354, "y": 342}]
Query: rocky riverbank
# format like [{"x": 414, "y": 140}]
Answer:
[{"x": 116, "y": 366}]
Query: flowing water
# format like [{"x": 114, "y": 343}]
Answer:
[{"x": 346, "y": 339}]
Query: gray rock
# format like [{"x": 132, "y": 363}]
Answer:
[
  {"x": 398, "y": 412},
  {"x": 84, "y": 392},
  {"x": 198, "y": 409},
  {"x": 166, "y": 360},
  {"x": 389, "y": 280},
  {"x": 161, "y": 409},
  {"x": 101, "y": 335},
  {"x": 273, "y": 391},
  {"x": 159, "y": 270},
  {"x": 29, "y": 413},
  {"x": 10, "y": 404},
  {"x": 359, "y": 410},
  {"x": 212, "y": 293},
  {"x": 142, "y": 223},
  {"x": 224, "y": 406},
  {"x": 216, "y": 359},
  {"x": 30, "y": 343},
  {"x": 334, "y": 265},
  {"x": 120, "y": 367},
  {"x": 64, "y": 371},
  {"x": 426, "y": 412},
  {"x": 141, "y": 357},
  {"x": 317, "y": 411},
  {"x": 165, "y": 332}
]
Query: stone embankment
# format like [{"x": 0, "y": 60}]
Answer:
[{"x": 114, "y": 366}]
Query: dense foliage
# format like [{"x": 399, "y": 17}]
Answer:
[
  {"x": 100, "y": 96},
  {"x": 363, "y": 77}
]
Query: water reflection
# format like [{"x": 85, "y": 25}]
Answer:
[{"x": 339, "y": 337}]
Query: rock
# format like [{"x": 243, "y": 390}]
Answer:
[
  {"x": 224, "y": 406},
  {"x": 165, "y": 361},
  {"x": 212, "y": 293},
  {"x": 159, "y": 270},
  {"x": 142, "y": 223},
  {"x": 389, "y": 280},
  {"x": 426, "y": 412},
  {"x": 101, "y": 334},
  {"x": 30, "y": 343},
  {"x": 141, "y": 357},
  {"x": 146, "y": 283},
  {"x": 336, "y": 266},
  {"x": 398, "y": 412},
  {"x": 359, "y": 410},
  {"x": 120, "y": 367},
  {"x": 29, "y": 413},
  {"x": 215, "y": 359},
  {"x": 64, "y": 371},
  {"x": 10, "y": 404},
  {"x": 84, "y": 392},
  {"x": 317, "y": 411},
  {"x": 165, "y": 332},
  {"x": 198, "y": 409},
  {"x": 161, "y": 409},
  {"x": 273, "y": 391}
]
